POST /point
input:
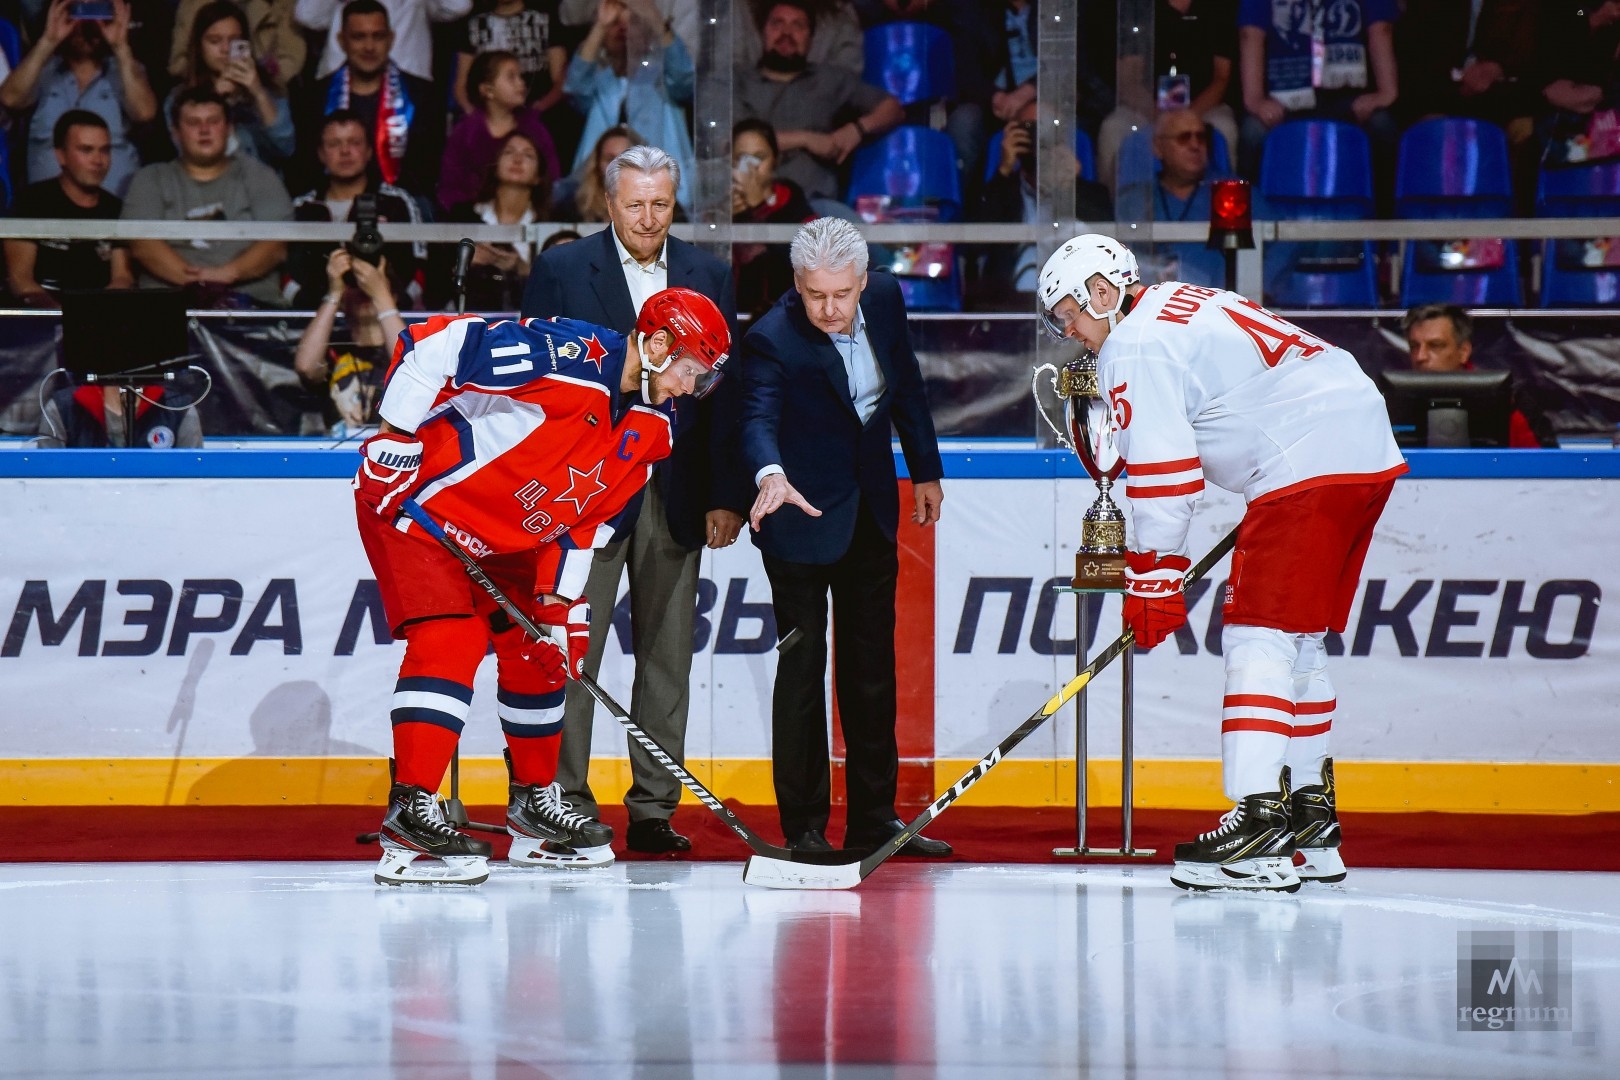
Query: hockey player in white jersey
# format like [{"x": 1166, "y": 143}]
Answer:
[{"x": 1205, "y": 385}]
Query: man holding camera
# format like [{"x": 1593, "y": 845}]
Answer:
[{"x": 345, "y": 156}]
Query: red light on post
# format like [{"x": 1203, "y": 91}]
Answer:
[{"x": 1230, "y": 224}]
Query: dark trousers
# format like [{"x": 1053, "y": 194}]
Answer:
[{"x": 861, "y": 584}]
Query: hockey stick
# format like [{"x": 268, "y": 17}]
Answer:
[
  {"x": 769, "y": 875},
  {"x": 816, "y": 869}
]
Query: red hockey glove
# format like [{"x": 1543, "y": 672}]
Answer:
[
  {"x": 568, "y": 633},
  {"x": 389, "y": 463},
  {"x": 1154, "y": 605}
]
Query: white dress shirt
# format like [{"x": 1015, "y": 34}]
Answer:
[
  {"x": 866, "y": 382},
  {"x": 643, "y": 281}
]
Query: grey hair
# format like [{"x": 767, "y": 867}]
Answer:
[
  {"x": 828, "y": 243},
  {"x": 642, "y": 159}
]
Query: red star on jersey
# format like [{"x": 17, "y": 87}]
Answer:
[
  {"x": 588, "y": 485},
  {"x": 594, "y": 352}
]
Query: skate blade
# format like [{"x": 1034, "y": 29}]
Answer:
[
  {"x": 527, "y": 851},
  {"x": 402, "y": 866},
  {"x": 1322, "y": 865},
  {"x": 1248, "y": 875}
]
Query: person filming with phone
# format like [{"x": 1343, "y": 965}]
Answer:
[
  {"x": 82, "y": 60},
  {"x": 760, "y": 197},
  {"x": 219, "y": 55}
]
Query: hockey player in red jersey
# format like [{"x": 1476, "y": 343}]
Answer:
[
  {"x": 526, "y": 439},
  {"x": 1204, "y": 385}
]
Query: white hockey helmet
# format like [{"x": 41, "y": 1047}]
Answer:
[{"x": 1073, "y": 264}]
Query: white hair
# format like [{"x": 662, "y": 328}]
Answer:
[
  {"x": 828, "y": 243},
  {"x": 642, "y": 159}
]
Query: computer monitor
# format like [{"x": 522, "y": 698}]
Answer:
[
  {"x": 112, "y": 332},
  {"x": 1449, "y": 408}
]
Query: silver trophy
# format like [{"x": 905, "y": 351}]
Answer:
[{"x": 1088, "y": 430}]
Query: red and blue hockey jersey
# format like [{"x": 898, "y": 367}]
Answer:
[{"x": 527, "y": 438}]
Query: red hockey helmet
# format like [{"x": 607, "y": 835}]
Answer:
[{"x": 699, "y": 330}]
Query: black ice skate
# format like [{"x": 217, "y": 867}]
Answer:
[
  {"x": 1252, "y": 849},
  {"x": 547, "y": 831},
  {"x": 1315, "y": 821},
  {"x": 414, "y": 828}
]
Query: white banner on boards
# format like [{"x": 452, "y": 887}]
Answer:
[
  {"x": 1478, "y": 634},
  {"x": 221, "y": 618}
]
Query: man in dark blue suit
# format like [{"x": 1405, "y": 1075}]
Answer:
[
  {"x": 696, "y": 497},
  {"x": 828, "y": 373}
]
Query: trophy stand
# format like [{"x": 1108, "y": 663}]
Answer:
[{"x": 1099, "y": 569}]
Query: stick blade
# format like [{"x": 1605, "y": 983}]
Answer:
[{"x": 783, "y": 874}]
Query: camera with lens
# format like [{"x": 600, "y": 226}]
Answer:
[{"x": 366, "y": 245}]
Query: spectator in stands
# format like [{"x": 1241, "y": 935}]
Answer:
[
  {"x": 1018, "y": 54},
  {"x": 514, "y": 192},
  {"x": 838, "y": 41},
  {"x": 36, "y": 269},
  {"x": 1580, "y": 80},
  {"x": 1297, "y": 62},
  {"x": 760, "y": 197},
  {"x": 412, "y": 49},
  {"x": 821, "y": 114},
  {"x": 498, "y": 92},
  {"x": 220, "y": 55},
  {"x": 277, "y": 41},
  {"x": 404, "y": 115},
  {"x": 582, "y": 195},
  {"x": 92, "y": 418},
  {"x": 648, "y": 94},
  {"x": 557, "y": 239},
  {"x": 81, "y": 64},
  {"x": 527, "y": 29},
  {"x": 1010, "y": 273},
  {"x": 351, "y": 371},
  {"x": 1194, "y": 50},
  {"x": 208, "y": 183},
  {"x": 1462, "y": 58},
  {"x": 1439, "y": 337},
  {"x": 680, "y": 16},
  {"x": 345, "y": 156},
  {"x": 1178, "y": 193}
]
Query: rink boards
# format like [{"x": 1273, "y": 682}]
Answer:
[{"x": 209, "y": 634}]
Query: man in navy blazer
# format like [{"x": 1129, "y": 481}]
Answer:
[
  {"x": 828, "y": 373},
  {"x": 696, "y": 498}
]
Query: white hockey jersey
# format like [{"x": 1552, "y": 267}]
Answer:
[{"x": 1204, "y": 384}]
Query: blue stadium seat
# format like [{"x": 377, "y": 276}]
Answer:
[
  {"x": 931, "y": 294},
  {"x": 913, "y": 166},
  {"x": 1137, "y": 151},
  {"x": 1456, "y": 168},
  {"x": 10, "y": 43},
  {"x": 1579, "y": 273},
  {"x": 1318, "y": 170},
  {"x": 911, "y": 60},
  {"x": 1083, "y": 149}
]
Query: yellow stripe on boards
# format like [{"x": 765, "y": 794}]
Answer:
[{"x": 1447, "y": 786}]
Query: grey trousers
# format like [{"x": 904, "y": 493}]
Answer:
[{"x": 663, "y": 607}]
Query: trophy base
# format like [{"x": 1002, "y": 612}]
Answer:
[{"x": 1094, "y": 570}]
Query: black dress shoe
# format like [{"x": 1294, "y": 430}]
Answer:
[
  {"x": 654, "y": 836},
  {"x": 809, "y": 840},
  {"x": 875, "y": 837}
]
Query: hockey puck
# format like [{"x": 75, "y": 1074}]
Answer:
[{"x": 788, "y": 642}]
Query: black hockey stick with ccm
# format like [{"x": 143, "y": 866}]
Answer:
[
  {"x": 773, "y": 876},
  {"x": 807, "y": 865}
]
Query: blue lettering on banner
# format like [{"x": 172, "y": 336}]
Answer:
[
  {"x": 1557, "y": 625},
  {"x": 205, "y": 606}
]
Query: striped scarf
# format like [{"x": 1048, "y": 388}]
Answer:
[{"x": 395, "y": 111}]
